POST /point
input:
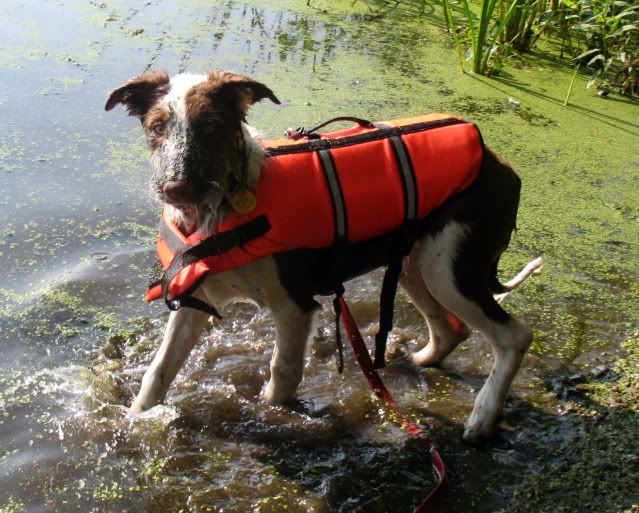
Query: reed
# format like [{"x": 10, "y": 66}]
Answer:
[
  {"x": 572, "y": 83},
  {"x": 484, "y": 31},
  {"x": 526, "y": 23},
  {"x": 450, "y": 23},
  {"x": 600, "y": 35}
]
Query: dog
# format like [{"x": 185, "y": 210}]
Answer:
[{"x": 201, "y": 150}]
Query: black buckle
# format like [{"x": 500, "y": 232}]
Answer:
[
  {"x": 192, "y": 302},
  {"x": 174, "y": 304}
]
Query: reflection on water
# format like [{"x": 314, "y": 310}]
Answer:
[{"x": 76, "y": 237}]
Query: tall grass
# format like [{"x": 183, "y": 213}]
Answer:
[
  {"x": 525, "y": 24},
  {"x": 484, "y": 31},
  {"x": 602, "y": 35},
  {"x": 450, "y": 23}
]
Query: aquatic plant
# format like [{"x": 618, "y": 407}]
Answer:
[
  {"x": 526, "y": 23},
  {"x": 483, "y": 32},
  {"x": 12, "y": 506},
  {"x": 450, "y": 23},
  {"x": 610, "y": 33},
  {"x": 572, "y": 83},
  {"x": 602, "y": 35}
]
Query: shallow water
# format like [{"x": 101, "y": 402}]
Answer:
[{"x": 76, "y": 240}]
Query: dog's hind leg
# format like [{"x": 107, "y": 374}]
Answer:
[
  {"x": 446, "y": 331},
  {"x": 182, "y": 332},
  {"x": 293, "y": 326},
  {"x": 457, "y": 274}
]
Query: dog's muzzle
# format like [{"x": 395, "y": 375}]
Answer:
[
  {"x": 178, "y": 192},
  {"x": 182, "y": 192}
]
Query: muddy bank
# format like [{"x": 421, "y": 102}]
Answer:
[{"x": 594, "y": 464}]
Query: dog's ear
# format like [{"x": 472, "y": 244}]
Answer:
[
  {"x": 247, "y": 90},
  {"x": 139, "y": 94}
]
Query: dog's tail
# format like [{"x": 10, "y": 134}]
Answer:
[{"x": 502, "y": 290}]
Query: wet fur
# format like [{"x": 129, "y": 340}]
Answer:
[{"x": 202, "y": 151}]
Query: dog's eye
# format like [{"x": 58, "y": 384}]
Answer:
[
  {"x": 211, "y": 128},
  {"x": 158, "y": 130}
]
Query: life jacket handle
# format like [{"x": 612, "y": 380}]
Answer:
[{"x": 299, "y": 132}]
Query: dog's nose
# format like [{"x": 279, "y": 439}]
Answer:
[{"x": 178, "y": 192}]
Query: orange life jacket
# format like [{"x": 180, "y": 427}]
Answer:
[{"x": 346, "y": 187}]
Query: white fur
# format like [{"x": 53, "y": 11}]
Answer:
[
  {"x": 252, "y": 138},
  {"x": 180, "y": 85},
  {"x": 257, "y": 283},
  {"x": 533, "y": 267},
  {"x": 182, "y": 332},
  {"x": 444, "y": 337},
  {"x": 509, "y": 342},
  {"x": 174, "y": 149}
]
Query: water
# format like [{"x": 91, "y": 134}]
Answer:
[{"x": 76, "y": 240}]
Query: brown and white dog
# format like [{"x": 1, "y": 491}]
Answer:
[{"x": 202, "y": 150}]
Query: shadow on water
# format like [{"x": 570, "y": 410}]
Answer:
[{"x": 599, "y": 115}]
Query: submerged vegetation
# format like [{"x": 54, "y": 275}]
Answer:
[
  {"x": 599, "y": 35},
  {"x": 595, "y": 468}
]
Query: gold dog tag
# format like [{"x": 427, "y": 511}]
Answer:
[{"x": 243, "y": 202}]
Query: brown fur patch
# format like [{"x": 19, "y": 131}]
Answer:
[
  {"x": 139, "y": 94},
  {"x": 209, "y": 105},
  {"x": 224, "y": 98}
]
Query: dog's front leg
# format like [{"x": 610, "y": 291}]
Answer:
[
  {"x": 182, "y": 332},
  {"x": 293, "y": 326}
]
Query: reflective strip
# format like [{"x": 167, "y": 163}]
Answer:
[
  {"x": 408, "y": 177},
  {"x": 339, "y": 209},
  {"x": 171, "y": 240}
]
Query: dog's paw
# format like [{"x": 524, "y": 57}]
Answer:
[
  {"x": 134, "y": 411},
  {"x": 426, "y": 357},
  {"x": 480, "y": 429},
  {"x": 477, "y": 436},
  {"x": 276, "y": 395},
  {"x": 137, "y": 408}
]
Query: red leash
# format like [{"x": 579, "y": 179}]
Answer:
[{"x": 376, "y": 384}]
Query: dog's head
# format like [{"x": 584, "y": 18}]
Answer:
[{"x": 195, "y": 128}]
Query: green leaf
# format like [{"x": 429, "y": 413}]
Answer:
[
  {"x": 628, "y": 12},
  {"x": 570, "y": 3},
  {"x": 587, "y": 53}
]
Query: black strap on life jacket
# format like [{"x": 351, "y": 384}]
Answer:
[
  {"x": 386, "y": 309},
  {"x": 406, "y": 238},
  {"x": 406, "y": 235},
  {"x": 316, "y": 142},
  {"x": 337, "y": 307},
  {"x": 216, "y": 244}
]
